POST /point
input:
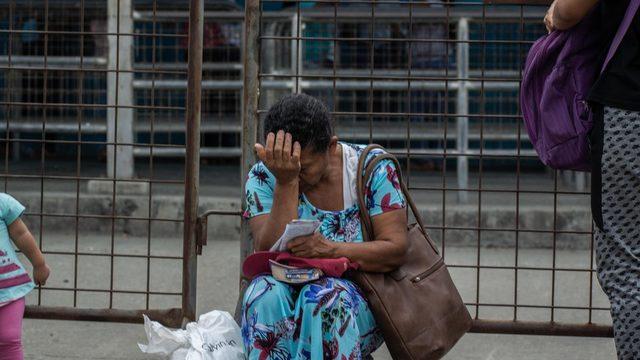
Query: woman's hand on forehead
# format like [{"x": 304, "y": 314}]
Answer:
[{"x": 281, "y": 155}]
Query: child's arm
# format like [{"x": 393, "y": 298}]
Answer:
[{"x": 23, "y": 239}]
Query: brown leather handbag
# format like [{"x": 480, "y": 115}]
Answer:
[{"x": 417, "y": 306}]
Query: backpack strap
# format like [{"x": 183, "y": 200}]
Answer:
[{"x": 632, "y": 9}]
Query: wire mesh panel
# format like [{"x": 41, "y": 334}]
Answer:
[
  {"x": 222, "y": 32},
  {"x": 85, "y": 148},
  {"x": 437, "y": 84}
]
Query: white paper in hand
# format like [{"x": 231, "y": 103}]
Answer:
[{"x": 294, "y": 229}]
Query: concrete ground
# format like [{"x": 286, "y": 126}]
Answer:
[{"x": 217, "y": 276}]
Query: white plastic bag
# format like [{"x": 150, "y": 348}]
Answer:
[{"x": 215, "y": 336}]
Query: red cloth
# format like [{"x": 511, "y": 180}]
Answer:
[{"x": 258, "y": 263}]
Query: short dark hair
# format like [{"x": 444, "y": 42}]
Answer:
[{"x": 305, "y": 118}]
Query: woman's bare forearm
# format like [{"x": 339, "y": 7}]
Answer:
[
  {"x": 283, "y": 210},
  {"x": 389, "y": 248},
  {"x": 374, "y": 256},
  {"x": 281, "y": 155}
]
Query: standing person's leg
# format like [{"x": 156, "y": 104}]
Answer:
[
  {"x": 11, "y": 330},
  {"x": 618, "y": 235}
]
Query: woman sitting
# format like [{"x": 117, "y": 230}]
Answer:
[{"x": 305, "y": 173}]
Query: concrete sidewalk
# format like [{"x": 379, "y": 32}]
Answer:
[
  {"x": 217, "y": 289},
  {"x": 58, "y": 340}
]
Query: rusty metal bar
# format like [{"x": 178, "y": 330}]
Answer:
[
  {"x": 43, "y": 133},
  {"x": 518, "y": 2},
  {"x": 467, "y": 9},
  {"x": 151, "y": 162},
  {"x": 192, "y": 159},
  {"x": 251, "y": 96},
  {"x": 9, "y": 95},
  {"x": 115, "y": 255},
  {"x": 76, "y": 244},
  {"x": 113, "y": 114},
  {"x": 540, "y": 328},
  {"x": 391, "y": 40},
  {"x": 250, "y": 118},
  {"x": 202, "y": 225},
  {"x": 518, "y": 184},
  {"x": 115, "y": 291},
  {"x": 168, "y": 317},
  {"x": 62, "y": 177}
]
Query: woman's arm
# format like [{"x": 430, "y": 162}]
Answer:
[
  {"x": 387, "y": 251},
  {"x": 564, "y": 14},
  {"x": 383, "y": 254},
  {"x": 282, "y": 158},
  {"x": 24, "y": 241},
  {"x": 267, "y": 229}
]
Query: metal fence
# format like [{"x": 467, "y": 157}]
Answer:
[
  {"x": 437, "y": 83},
  {"x": 90, "y": 82},
  {"x": 67, "y": 107},
  {"x": 495, "y": 66}
]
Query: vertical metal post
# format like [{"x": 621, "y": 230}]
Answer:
[
  {"x": 192, "y": 160},
  {"x": 462, "y": 108},
  {"x": 120, "y": 90},
  {"x": 13, "y": 82},
  {"x": 15, "y": 147},
  {"x": 250, "y": 121},
  {"x": 295, "y": 59},
  {"x": 268, "y": 60},
  {"x": 581, "y": 181}
]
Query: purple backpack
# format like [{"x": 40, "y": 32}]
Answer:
[{"x": 559, "y": 72}]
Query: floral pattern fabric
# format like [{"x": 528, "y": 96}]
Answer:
[{"x": 326, "y": 319}]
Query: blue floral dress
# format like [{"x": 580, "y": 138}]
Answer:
[{"x": 326, "y": 319}]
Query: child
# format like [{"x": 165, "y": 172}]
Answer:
[{"x": 14, "y": 280}]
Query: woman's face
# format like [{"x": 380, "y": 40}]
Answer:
[{"x": 313, "y": 166}]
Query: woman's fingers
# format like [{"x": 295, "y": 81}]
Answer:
[
  {"x": 286, "y": 151},
  {"x": 298, "y": 245},
  {"x": 280, "y": 147},
  {"x": 295, "y": 156},
  {"x": 277, "y": 148},
  {"x": 269, "y": 148},
  {"x": 294, "y": 244},
  {"x": 301, "y": 252},
  {"x": 305, "y": 254},
  {"x": 281, "y": 155},
  {"x": 261, "y": 152}
]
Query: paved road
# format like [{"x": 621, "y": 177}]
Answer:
[{"x": 218, "y": 270}]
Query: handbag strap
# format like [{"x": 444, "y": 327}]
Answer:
[
  {"x": 632, "y": 9},
  {"x": 365, "y": 175},
  {"x": 367, "y": 227}
]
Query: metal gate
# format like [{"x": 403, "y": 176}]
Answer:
[
  {"x": 436, "y": 82},
  {"x": 82, "y": 84}
]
